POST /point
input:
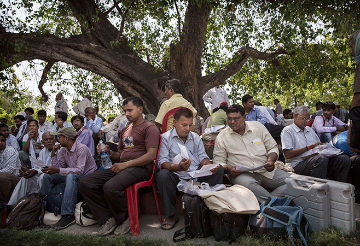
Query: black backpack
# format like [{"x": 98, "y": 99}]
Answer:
[
  {"x": 197, "y": 219},
  {"x": 53, "y": 200},
  {"x": 28, "y": 212}
]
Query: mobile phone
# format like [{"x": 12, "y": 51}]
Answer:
[{"x": 44, "y": 169}]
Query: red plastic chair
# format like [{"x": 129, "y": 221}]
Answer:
[
  {"x": 133, "y": 199},
  {"x": 167, "y": 115}
]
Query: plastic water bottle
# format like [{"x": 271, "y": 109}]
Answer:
[{"x": 105, "y": 158}]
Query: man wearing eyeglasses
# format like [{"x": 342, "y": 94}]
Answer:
[
  {"x": 250, "y": 144},
  {"x": 298, "y": 142}
]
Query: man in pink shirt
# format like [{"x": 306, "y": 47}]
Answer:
[
  {"x": 327, "y": 125},
  {"x": 74, "y": 161}
]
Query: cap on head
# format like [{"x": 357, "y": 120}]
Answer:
[{"x": 69, "y": 132}]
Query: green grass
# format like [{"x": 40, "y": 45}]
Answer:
[{"x": 326, "y": 237}]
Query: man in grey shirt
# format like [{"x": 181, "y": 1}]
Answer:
[
  {"x": 171, "y": 173},
  {"x": 298, "y": 142}
]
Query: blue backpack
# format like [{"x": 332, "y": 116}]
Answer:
[
  {"x": 279, "y": 216},
  {"x": 53, "y": 200}
]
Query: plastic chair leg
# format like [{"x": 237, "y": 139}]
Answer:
[
  {"x": 132, "y": 211},
  {"x": 156, "y": 200}
]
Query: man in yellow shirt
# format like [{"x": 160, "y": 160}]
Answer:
[
  {"x": 175, "y": 99},
  {"x": 251, "y": 145}
]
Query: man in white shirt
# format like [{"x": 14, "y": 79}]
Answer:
[
  {"x": 81, "y": 106},
  {"x": 31, "y": 144},
  {"x": 44, "y": 125},
  {"x": 216, "y": 95},
  {"x": 110, "y": 129},
  {"x": 10, "y": 139}
]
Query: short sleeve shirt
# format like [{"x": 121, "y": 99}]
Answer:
[{"x": 135, "y": 140}]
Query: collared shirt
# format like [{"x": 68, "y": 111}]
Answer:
[
  {"x": 85, "y": 137},
  {"x": 216, "y": 96},
  {"x": 114, "y": 125},
  {"x": 62, "y": 107},
  {"x": 81, "y": 106},
  {"x": 78, "y": 160},
  {"x": 169, "y": 149},
  {"x": 329, "y": 126},
  {"x": 94, "y": 125},
  {"x": 218, "y": 118},
  {"x": 343, "y": 115},
  {"x": 174, "y": 101},
  {"x": 250, "y": 149},
  {"x": 32, "y": 149},
  {"x": 46, "y": 127},
  {"x": 9, "y": 161},
  {"x": 65, "y": 124},
  {"x": 266, "y": 112},
  {"x": 292, "y": 137},
  {"x": 278, "y": 109},
  {"x": 256, "y": 115},
  {"x": 45, "y": 156},
  {"x": 11, "y": 141}
]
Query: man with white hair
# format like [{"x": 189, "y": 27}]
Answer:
[{"x": 298, "y": 142}]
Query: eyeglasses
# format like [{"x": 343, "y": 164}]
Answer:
[
  {"x": 305, "y": 119},
  {"x": 229, "y": 119}
]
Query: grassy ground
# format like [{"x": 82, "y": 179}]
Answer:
[{"x": 327, "y": 237}]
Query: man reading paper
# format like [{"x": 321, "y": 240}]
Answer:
[{"x": 174, "y": 142}]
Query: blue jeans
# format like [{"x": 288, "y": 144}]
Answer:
[
  {"x": 70, "y": 194},
  {"x": 325, "y": 137}
]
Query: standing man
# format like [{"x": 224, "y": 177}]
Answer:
[
  {"x": 216, "y": 95},
  {"x": 250, "y": 144},
  {"x": 84, "y": 135},
  {"x": 175, "y": 99},
  {"x": 74, "y": 162},
  {"x": 171, "y": 173},
  {"x": 81, "y": 106},
  {"x": 104, "y": 190},
  {"x": 278, "y": 107},
  {"x": 10, "y": 139},
  {"x": 44, "y": 125},
  {"x": 298, "y": 142},
  {"x": 61, "y": 104}
]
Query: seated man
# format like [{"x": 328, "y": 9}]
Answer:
[
  {"x": 288, "y": 115},
  {"x": 9, "y": 170},
  {"x": 249, "y": 143},
  {"x": 31, "y": 180},
  {"x": 219, "y": 117},
  {"x": 175, "y": 99},
  {"x": 92, "y": 121},
  {"x": 84, "y": 135},
  {"x": 44, "y": 125},
  {"x": 170, "y": 174},
  {"x": 326, "y": 125},
  {"x": 298, "y": 140},
  {"x": 318, "y": 108},
  {"x": 341, "y": 113},
  {"x": 27, "y": 111},
  {"x": 21, "y": 128},
  {"x": 110, "y": 129},
  {"x": 255, "y": 114},
  {"x": 74, "y": 161},
  {"x": 10, "y": 139},
  {"x": 31, "y": 144},
  {"x": 104, "y": 190},
  {"x": 60, "y": 121}
]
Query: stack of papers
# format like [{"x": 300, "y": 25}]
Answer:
[{"x": 204, "y": 171}]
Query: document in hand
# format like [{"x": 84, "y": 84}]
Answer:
[
  {"x": 37, "y": 162},
  {"x": 182, "y": 155},
  {"x": 242, "y": 168},
  {"x": 204, "y": 171}
]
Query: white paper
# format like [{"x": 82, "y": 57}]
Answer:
[
  {"x": 37, "y": 162},
  {"x": 242, "y": 168},
  {"x": 177, "y": 159},
  {"x": 183, "y": 151},
  {"x": 204, "y": 171}
]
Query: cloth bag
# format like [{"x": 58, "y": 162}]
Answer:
[{"x": 235, "y": 199}]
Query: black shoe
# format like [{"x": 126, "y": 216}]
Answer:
[{"x": 65, "y": 221}]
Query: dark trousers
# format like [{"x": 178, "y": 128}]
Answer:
[
  {"x": 8, "y": 182},
  {"x": 167, "y": 182},
  {"x": 104, "y": 192},
  {"x": 321, "y": 166},
  {"x": 275, "y": 131}
]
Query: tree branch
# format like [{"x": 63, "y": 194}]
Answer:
[
  {"x": 123, "y": 17},
  {"x": 43, "y": 80},
  {"x": 109, "y": 10},
  {"x": 179, "y": 19}
]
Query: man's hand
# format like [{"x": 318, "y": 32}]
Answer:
[
  {"x": 23, "y": 170},
  {"x": 107, "y": 148},
  {"x": 340, "y": 128},
  {"x": 100, "y": 134},
  {"x": 31, "y": 134},
  {"x": 311, "y": 146},
  {"x": 55, "y": 148},
  {"x": 215, "y": 169},
  {"x": 31, "y": 173},
  {"x": 118, "y": 167},
  {"x": 51, "y": 170},
  {"x": 184, "y": 164},
  {"x": 233, "y": 172},
  {"x": 270, "y": 166}
]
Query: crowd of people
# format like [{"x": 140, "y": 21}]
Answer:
[{"x": 44, "y": 154}]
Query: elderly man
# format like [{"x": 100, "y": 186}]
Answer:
[
  {"x": 74, "y": 161},
  {"x": 84, "y": 135},
  {"x": 61, "y": 104},
  {"x": 104, "y": 190},
  {"x": 216, "y": 95},
  {"x": 250, "y": 144},
  {"x": 9, "y": 170},
  {"x": 171, "y": 173},
  {"x": 81, "y": 106},
  {"x": 175, "y": 99},
  {"x": 298, "y": 142}
]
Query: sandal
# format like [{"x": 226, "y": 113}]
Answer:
[{"x": 168, "y": 224}]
